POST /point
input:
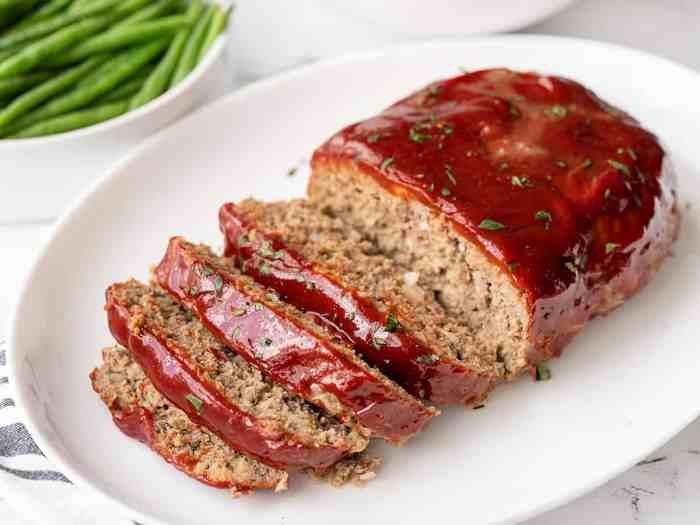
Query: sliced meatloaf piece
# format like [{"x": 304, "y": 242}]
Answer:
[
  {"x": 525, "y": 203},
  {"x": 287, "y": 344},
  {"x": 320, "y": 264},
  {"x": 219, "y": 389},
  {"x": 142, "y": 413}
]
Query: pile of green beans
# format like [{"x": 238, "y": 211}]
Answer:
[{"x": 71, "y": 64}]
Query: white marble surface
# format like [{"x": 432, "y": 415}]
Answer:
[{"x": 666, "y": 491}]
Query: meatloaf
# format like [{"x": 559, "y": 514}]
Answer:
[
  {"x": 218, "y": 389},
  {"x": 141, "y": 412},
  {"x": 287, "y": 345},
  {"x": 362, "y": 293},
  {"x": 524, "y": 202}
]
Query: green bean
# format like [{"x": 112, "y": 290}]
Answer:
[
  {"x": 127, "y": 90},
  {"x": 100, "y": 82},
  {"x": 217, "y": 26},
  {"x": 158, "y": 81},
  {"x": 163, "y": 7},
  {"x": 123, "y": 37},
  {"x": 46, "y": 48},
  {"x": 11, "y": 10},
  {"x": 17, "y": 85},
  {"x": 76, "y": 120},
  {"x": 57, "y": 22},
  {"x": 46, "y": 11},
  {"x": 188, "y": 59},
  {"x": 78, "y": 4},
  {"x": 43, "y": 92}
]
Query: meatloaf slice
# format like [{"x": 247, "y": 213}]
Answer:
[
  {"x": 287, "y": 344},
  {"x": 379, "y": 304},
  {"x": 142, "y": 413},
  {"x": 526, "y": 204},
  {"x": 220, "y": 390}
]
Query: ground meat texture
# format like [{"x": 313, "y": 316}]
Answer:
[
  {"x": 525, "y": 203},
  {"x": 321, "y": 264},
  {"x": 288, "y": 345},
  {"x": 220, "y": 390},
  {"x": 141, "y": 412}
]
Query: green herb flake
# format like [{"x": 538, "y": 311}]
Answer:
[
  {"x": 588, "y": 163},
  {"x": 238, "y": 312},
  {"x": 349, "y": 316},
  {"x": 266, "y": 341},
  {"x": 544, "y": 216},
  {"x": 611, "y": 247},
  {"x": 431, "y": 188},
  {"x": 206, "y": 271},
  {"x": 434, "y": 91},
  {"x": 418, "y": 137},
  {"x": 265, "y": 269},
  {"x": 292, "y": 171},
  {"x": 374, "y": 137},
  {"x": 446, "y": 192},
  {"x": 557, "y": 111},
  {"x": 428, "y": 359},
  {"x": 542, "y": 372},
  {"x": 194, "y": 445},
  {"x": 491, "y": 225},
  {"x": 513, "y": 266},
  {"x": 195, "y": 402},
  {"x": 243, "y": 240},
  {"x": 387, "y": 162},
  {"x": 619, "y": 166},
  {"x": 450, "y": 174},
  {"x": 378, "y": 341},
  {"x": 392, "y": 324},
  {"x": 521, "y": 182},
  {"x": 218, "y": 284},
  {"x": 236, "y": 333},
  {"x": 258, "y": 307}
]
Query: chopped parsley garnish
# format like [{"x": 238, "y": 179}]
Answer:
[
  {"x": 265, "y": 269},
  {"x": 349, "y": 316},
  {"x": 491, "y": 225},
  {"x": 236, "y": 332},
  {"x": 266, "y": 341},
  {"x": 450, "y": 174},
  {"x": 193, "y": 290},
  {"x": 544, "y": 216},
  {"x": 291, "y": 172},
  {"x": 218, "y": 284},
  {"x": 429, "y": 359},
  {"x": 619, "y": 166},
  {"x": 379, "y": 341},
  {"x": 587, "y": 164},
  {"x": 258, "y": 307},
  {"x": 238, "y": 312},
  {"x": 417, "y": 136},
  {"x": 513, "y": 266},
  {"x": 611, "y": 247},
  {"x": 392, "y": 323},
  {"x": 243, "y": 240},
  {"x": 195, "y": 402},
  {"x": 561, "y": 163},
  {"x": 557, "y": 111},
  {"x": 521, "y": 182},
  {"x": 206, "y": 271},
  {"x": 387, "y": 162},
  {"x": 434, "y": 91},
  {"x": 374, "y": 137},
  {"x": 431, "y": 187},
  {"x": 446, "y": 192},
  {"x": 542, "y": 372}
]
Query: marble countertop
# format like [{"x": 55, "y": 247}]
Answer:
[{"x": 664, "y": 489}]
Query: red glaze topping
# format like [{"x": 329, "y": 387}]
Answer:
[
  {"x": 555, "y": 185},
  {"x": 284, "y": 349},
  {"x": 303, "y": 284},
  {"x": 137, "y": 423},
  {"x": 178, "y": 383}
]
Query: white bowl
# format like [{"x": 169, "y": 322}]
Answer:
[{"x": 38, "y": 177}]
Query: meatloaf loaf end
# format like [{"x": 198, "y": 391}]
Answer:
[
  {"x": 142, "y": 413},
  {"x": 220, "y": 390},
  {"x": 525, "y": 203},
  {"x": 320, "y": 264},
  {"x": 287, "y": 344}
]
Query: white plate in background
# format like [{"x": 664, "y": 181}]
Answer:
[{"x": 624, "y": 387}]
